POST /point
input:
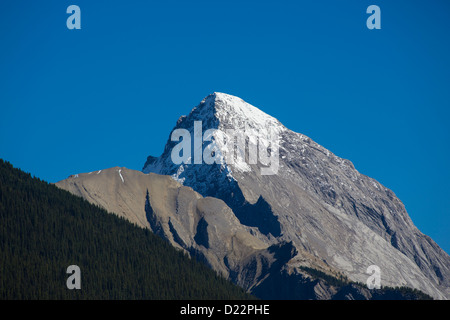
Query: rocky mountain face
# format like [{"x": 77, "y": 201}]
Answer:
[
  {"x": 207, "y": 229},
  {"x": 204, "y": 227},
  {"x": 261, "y": 218}
]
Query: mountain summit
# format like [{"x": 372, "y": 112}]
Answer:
[
  {"x": 223, "y": 119},
  {"x": 332, "y": 214}
]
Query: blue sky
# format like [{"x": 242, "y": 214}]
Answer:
[{"x": 80, "y": 100}]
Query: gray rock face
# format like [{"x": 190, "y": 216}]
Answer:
[
  {"x": 335, "y": 217},
  {"x": 205, "y": 228}
]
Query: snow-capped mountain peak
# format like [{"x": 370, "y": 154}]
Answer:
[
  {"x": 313, "y": 198},
  {"x": 235, "y": 132}
]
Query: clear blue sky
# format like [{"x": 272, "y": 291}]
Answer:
[{"x": 80, "y": 100}]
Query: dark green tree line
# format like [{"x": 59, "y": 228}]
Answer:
[{"x": 43, "y": 230}]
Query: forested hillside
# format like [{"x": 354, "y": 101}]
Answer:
[{"x": 44, "y": 229}]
